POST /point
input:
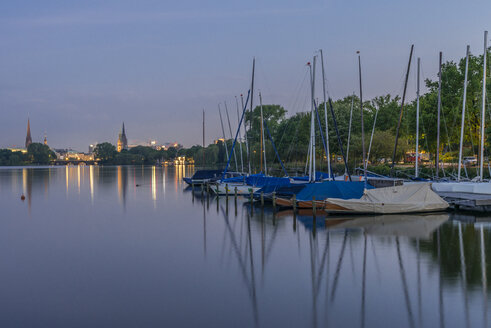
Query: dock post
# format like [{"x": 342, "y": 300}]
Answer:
[
  {"x": 226, "y": 192},
  {"x": 294, "y": 203},
  {"x": 262, "y": 199},
  {"x": 274, "y": 201},
  {"x": 313, "y": 206},
  {"x": 202, "y": 189}
]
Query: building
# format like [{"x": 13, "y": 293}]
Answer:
[
  {"x": 28, "y": 136},
  {"x": 122, "y": 141}
]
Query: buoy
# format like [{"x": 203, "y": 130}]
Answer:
[
  {"x": 138, "y": 185},
  {"x": 22, "y": 197}
]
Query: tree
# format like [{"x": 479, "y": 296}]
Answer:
[
  {"x": 8, "y": 157},
  {"x": 105, "y": 152},
  {"x": 39, "y": 153}
]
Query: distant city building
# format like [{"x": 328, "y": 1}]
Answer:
[
  {"x": 216, "y": 141},
  {"x": 91, "y": 148},
  {"x": 28, "y": 136},
  {"x": 13, "y": 149},
  {"x": 72, "y": 155},
  {"x": 168, "y": 145},
  {"x": 45, "y": 140},
  {"x": 122, "y": 141}
]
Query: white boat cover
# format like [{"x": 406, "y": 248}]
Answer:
[
  {"x": 224, "y": 188},
  {"x": 410, "y": 198},
  {"x": 411, "y": 225}
]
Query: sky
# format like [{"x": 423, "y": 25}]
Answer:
[{"x": 78, "y": 69}]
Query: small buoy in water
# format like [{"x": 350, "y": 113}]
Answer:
[
  {"x": 138, "y": 185},
  {"x": 22, "y": 197}
]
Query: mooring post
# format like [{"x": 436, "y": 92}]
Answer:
[
  {"x": 294, "y": 203},
  {"x": 262, "y": 199},
  {"x": 226, "y": 192},
  {"x": 202, "y": 189},
  {"x": 313, "y": 206},
  {"x": 274, "y": 201}
]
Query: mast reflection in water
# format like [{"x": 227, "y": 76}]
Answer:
[{"x": 133, "y": 246}]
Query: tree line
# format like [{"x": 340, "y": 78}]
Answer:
[{"x": 291, "y": 134}]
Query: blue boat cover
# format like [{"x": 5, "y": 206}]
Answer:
[
  {"x": 286, "y": 191},
  {"x": 318, "y": 176},
  {"x": 261, "y": 181},
  {"x": 206, "y": 174},
  {"x": 238, "y": 179},
  {"x": 332, "y": 189}
]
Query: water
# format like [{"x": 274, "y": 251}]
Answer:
[{"x": 132, "y": 247}]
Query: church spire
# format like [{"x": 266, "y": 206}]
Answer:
[
  {"x": 122, "y": 141},
  {"x": 28, "y": 136}
]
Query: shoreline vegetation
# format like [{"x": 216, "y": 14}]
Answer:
[{"x": 291, "y": 134}]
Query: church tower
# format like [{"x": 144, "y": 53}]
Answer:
[
  {"x": 122, "y": 141},
  {"x": 45, "y": 140},
  {"x": 28, "y": 136}
]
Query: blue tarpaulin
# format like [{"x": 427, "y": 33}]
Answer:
[
  {"x": 332, "y": 189},
  {"x": 261, "y": 181},
  {"x": 318, "y": 176},
  {"x": 286, "y": 191}
]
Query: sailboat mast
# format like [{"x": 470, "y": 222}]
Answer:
[
  {"x": 203, "y": 137},
  {"x": 245, "y": 137},
  {"x": 263, "y": 144},
  {"x": 223, "y": 131},
  {"x": 313, "y": 117},
  {"x": 231, "y": 136},
  {"x": 402, "y": 109},
  {"x": 416, "y": 173},
  {"x": 240, "y": 136},
  {"x": 312, "y": 123},
  {"x": 483, "y": 119},
  {"x": 349, "y": 132},
  {"x": 463, "y": 111},
  {"x": 371, "y": 137},
  {"x": 251, "y": 108},
  {"x": 437, "y": 157},
  {"x": 362, "y": 124},
  {"x": 325, "y": 117}
]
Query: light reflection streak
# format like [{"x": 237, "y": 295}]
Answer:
[
  {"x": 154, "y": 185},
  {"x": 91, "y": 182},
  {"x": 66, "y": 178},
  {"x": 78, "y": 178}
]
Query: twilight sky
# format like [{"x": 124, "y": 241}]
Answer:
[{"x": 80, "y": 68}]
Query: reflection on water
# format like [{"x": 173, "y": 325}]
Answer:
[{"x": 132, "y": 246}]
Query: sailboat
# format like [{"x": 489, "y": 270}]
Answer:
[{"x": 469, "y": 189}]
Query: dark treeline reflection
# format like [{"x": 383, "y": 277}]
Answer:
[
  {"x": 143, "y": 245},
  {"x": 460, "y": 249}
]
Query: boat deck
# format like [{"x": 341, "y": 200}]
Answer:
[{"x": 467, "y": 201}]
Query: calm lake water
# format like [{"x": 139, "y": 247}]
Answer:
[{"x": 133, "y": 247}]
